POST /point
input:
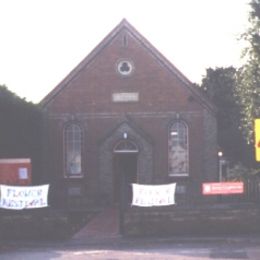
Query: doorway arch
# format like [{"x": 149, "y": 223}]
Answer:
[
  {"x": 126, "y": 146},
  {"x": 107, "y": 158}
]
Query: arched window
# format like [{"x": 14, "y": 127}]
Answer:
[
  {"x": 73, "y": 150},
  {"x": 178, "y": 149},
  {"x": 125, "y": 146}
]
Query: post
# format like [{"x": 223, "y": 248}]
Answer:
[
  {"x": 220, "y": 154},
  {"x": 220, "y": 164}
]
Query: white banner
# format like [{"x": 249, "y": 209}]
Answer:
[
  {"x": 23, "y": 197},
  {"x": 153, "y": 195}
]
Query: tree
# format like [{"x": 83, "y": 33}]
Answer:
[
  {"x": 219, "y": 85},
  {"x": 20, "y": 129},
  {"x": 248, "y": 76}
]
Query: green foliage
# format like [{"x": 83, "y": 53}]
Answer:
[
  {"x": 248, "y": 76},
  {"x": 240, "y": 172},
  {"x": 219, "y": 85},
  {"x": 20, "y": 129}
]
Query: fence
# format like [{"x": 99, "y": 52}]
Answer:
[
  {"x": 252, "y": 189},
  {"x": 191, "y": 196}
]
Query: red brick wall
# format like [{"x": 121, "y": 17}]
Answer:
[
  {"x": 87, "y": 98},
  {"x": 92, "y": 88}
]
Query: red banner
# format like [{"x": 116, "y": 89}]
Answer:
[{"x": 222, "y": 188}]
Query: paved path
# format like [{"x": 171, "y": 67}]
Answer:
[{"x": 104, "y": 226}]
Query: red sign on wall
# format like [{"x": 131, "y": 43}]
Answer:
[
  {"x": 222, "y": 188},
  {"x": 16, "y": 171}
]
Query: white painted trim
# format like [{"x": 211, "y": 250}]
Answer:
[{"x": 16, "y": 160}]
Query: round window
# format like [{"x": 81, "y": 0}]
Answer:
[{"x": 125, "y": 67}]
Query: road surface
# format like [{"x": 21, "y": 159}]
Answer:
[{"x": 177, "y": 249}]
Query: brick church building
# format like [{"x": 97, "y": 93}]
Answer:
[{"x": 126, "y": 114}]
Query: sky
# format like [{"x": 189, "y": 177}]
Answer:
[{"x": 41, "y": 41}]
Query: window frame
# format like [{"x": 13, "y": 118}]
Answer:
[
  {"x": 126, "y": 146},
  {"x": 187, "y": 155},
  {"x": 66, "y": 128}
]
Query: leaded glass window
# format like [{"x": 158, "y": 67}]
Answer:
[
  {"x": 126, "y": 146},
  {"x": 73, "y": 150},
  {"x": 178, "y": 150}
]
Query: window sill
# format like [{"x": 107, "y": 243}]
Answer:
[
  {"x": 179, "y": 175},
  {"x": 73, "y": 177}
]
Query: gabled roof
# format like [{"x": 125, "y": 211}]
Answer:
[{"x": 125, "y": 25}]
